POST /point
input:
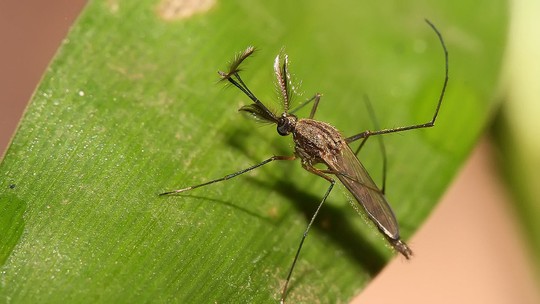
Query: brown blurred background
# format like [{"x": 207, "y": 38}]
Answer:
[
  {"x": 30, "y": 33},
  {"x": 469, "y": 251}
]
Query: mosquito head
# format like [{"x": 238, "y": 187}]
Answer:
[{"x": 286, "y": 124}]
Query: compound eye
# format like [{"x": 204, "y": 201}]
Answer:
[
  {"x": 283, "y": 130},
  {"x": 285, "y": 125}
]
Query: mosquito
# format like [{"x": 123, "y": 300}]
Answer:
[{"x": 317, "y": 142}]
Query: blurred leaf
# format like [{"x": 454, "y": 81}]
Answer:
[
  {"x": 130, "y": 108},
  {"x": 516, "y": 127}
]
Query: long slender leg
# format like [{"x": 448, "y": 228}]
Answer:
[
  {"x": 429, "y": 124},
  {"x": 374, "y": 120},
  {"x": 332, "y": 183},
  {"x": 315, "y": 105},
  {"x": 226, "y": 177},
  {"x": 316, "y": 98},
  {"x": 371, "y": 112},
  {"x": 360, "y": 146}
]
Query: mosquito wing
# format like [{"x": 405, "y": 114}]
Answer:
[{"x": 356, "y": 179}]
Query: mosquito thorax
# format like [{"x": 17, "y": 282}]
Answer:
[{"x": 286, "y": 124}]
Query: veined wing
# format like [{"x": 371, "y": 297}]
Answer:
[{"x": 356, "y": 179}]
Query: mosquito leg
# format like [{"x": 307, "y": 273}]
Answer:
[
  {"x": 369, "y": 133},
  {"x": 332, "y": 183},
  {"x": 371, "y": 112},
  {"x": 273, "y": 158},
  {"x": 360, "y": 146},
  {"x": 316, "y": 98},
  {"x": 374, "y": 120},
  {"x": 428, "y": 124}
]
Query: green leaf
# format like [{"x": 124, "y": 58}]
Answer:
[{"x": 130, "y": 108}]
